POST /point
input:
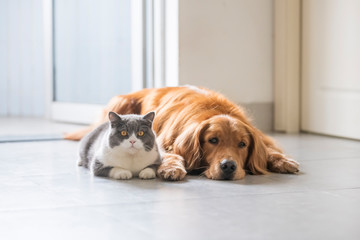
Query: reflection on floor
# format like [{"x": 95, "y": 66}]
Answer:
[
  {"x": 45, "y": 196},
  {"x": 14, "y": 129}
]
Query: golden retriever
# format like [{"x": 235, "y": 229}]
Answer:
[{"x": 200, "y": 129}]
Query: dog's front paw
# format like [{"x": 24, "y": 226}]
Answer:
[
  {"x": 119, "y": 173},
  {"x": 147, "y": 173},
  {"x": 282, "y": 164},
  {"x": 172, "y": 168},
  {"x": 171, "y": 173}
]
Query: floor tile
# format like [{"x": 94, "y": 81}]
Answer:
[
  {"x": 308, "y": 215},
  {"x": 307, "y": 147},
  {"x": 66, "y": 223},
  {"x": 44, "y": 195},
  {"x": 26, "y": 129}
]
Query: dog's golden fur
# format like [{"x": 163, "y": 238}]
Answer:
[{"x": 187, "y": 118}]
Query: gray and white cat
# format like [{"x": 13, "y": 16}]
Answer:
[{"x": 122, "y": 148}]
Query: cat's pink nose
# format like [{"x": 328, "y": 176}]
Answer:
[{"x": 132, "y": 141}]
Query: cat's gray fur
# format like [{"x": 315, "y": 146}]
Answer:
[{"x": 107, "y": 153}]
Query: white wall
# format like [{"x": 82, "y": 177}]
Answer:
[
  {"x": 22, "y": 85},
  {"x": 226, "y": 45}
]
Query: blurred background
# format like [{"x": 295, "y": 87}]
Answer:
[{"x": 293, "y": 64}]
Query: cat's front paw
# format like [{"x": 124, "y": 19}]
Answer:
[
  {"x": 119, "y": 173},
  {"x": 147, "y": 173}
]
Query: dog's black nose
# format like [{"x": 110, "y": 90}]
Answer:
[{"x": 228, "y": 167}]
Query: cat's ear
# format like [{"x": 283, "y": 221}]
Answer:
[
  {"x": 149, "y": 116},
  {"x": 114, "y": 118}
]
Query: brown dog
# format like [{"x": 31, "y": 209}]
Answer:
[{"x": 201, "y": 129}]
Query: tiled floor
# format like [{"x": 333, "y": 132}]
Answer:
[
  {"x": 29, "y": 129},
  {"x": 44, "y": 195}
]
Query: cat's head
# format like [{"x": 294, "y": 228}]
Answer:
[{"x": 131, "y": 132}]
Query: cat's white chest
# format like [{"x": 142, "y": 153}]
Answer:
[{"x": 136, "y": 162}]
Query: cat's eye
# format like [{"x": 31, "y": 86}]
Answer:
[
  {"x": 214, "y": 140},
  {"x": 123, "y": 133},
  {"x": 241, "y": 145},
  {"x": 141, "y": 133}
]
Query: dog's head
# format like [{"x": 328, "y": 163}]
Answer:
[{"x": 225, "y": 146}]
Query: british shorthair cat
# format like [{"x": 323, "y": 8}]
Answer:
[{"x": 122, "y": 148}]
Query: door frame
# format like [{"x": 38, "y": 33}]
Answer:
[{"x": 287, "y": 65}]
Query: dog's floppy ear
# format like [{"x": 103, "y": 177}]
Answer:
[
  {"x": 256, "y": 161},
  {"x": 188, "y": 145}
]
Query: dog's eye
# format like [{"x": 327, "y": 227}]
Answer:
[
  {"x": 242, "y": 145},
  {"x": 214, "y": 140}
]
